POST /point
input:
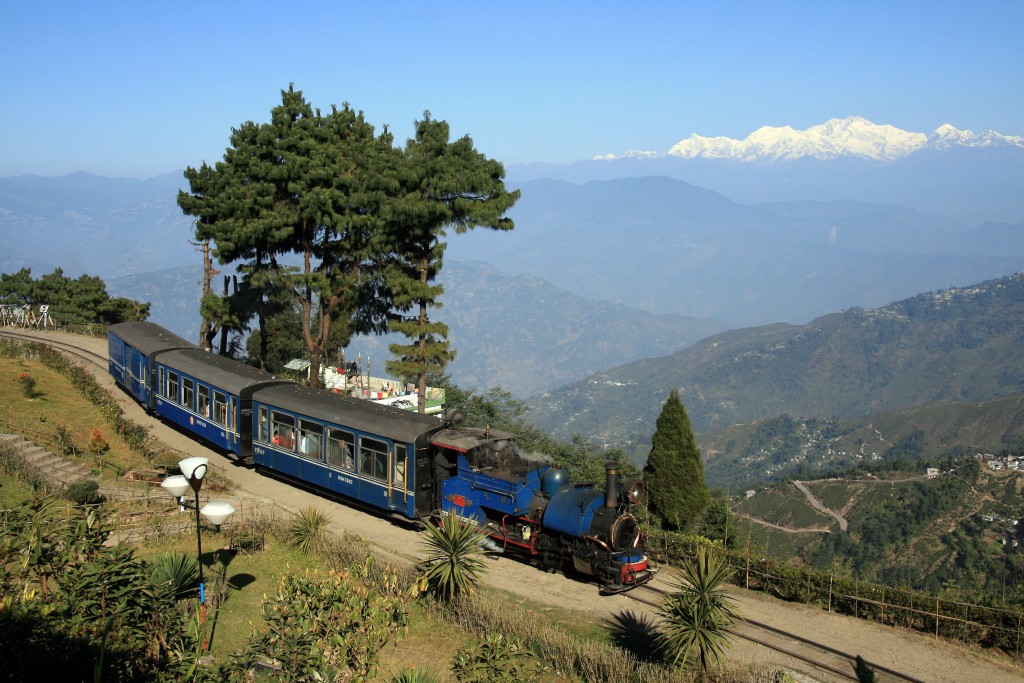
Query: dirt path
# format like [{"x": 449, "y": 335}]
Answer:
[
  {"x": 818, "y": 505},
  {"x": 912, "y": 653}
]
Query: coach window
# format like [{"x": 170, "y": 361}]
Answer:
[
  {"x": 340, "y": 449},
  {"x": 264, "y": 435},
  {"x": 161, "y": 382},
  {"x": 311, "y": 435},
  {"x": 204, "y": 401},
  {"x": 283, "y": 427},
  {"x": 187, "y": 392},
  {"x": 220, "y": 408},
  {"x": 373, "y": 458},
  {"x": 400, "y": 452},
  {"x": 172, "y": 386}
]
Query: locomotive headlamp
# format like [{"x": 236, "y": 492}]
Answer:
[{"x": 634, "y": 490}]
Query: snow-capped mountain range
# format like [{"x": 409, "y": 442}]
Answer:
[{"x": 853, "y": 136}]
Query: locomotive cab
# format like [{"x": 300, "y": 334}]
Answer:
[{"x": 482, "y": 476}]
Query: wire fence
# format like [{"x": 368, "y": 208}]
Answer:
[{"x": 991, "y": 626}]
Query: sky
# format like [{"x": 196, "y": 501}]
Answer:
[{"x": 137, "y": 89}]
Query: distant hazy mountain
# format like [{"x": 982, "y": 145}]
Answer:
[
  {"x": 516, "y": 332},
  {"x": 666, "y": 246},
  {"x": 963, "y": 344},
  {"x": 85, "y": 223},
  {"x": 820, "y": 235},
  {"x": 974, "y": 176}
]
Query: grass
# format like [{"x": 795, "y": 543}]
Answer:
[
  {"x": 774, "y": 543},
  {"x": 13, "y": 492},
  {"x": 785, "y": 506},
  {"x": 248, "y": 577},
  {"x": 836, "y": 495},
  {"x": 56, "y": 403}
]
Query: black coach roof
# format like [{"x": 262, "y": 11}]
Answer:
[
  {"x": 360, "y": 414},
  {"x": 462, "y": 440},
  {"x": 148, "y": 337},
  {"x": 218, "y": 371}
]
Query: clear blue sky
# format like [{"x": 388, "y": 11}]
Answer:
[{"x": 141, "y": 88}]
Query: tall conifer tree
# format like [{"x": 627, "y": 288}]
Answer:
[
  {"x": 309, "y": 186},
  {"x": 445, "y": 185},
  {"x": 674, "y": 473}
]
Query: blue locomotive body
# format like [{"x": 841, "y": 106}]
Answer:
[{"x": 394, "y": 461}]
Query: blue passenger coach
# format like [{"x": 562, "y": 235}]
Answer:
[
  {"x": 209, "y": 395},
  {"x": 391, "y": 460},
  {"x": 131, "y": 350},
  {"x": 375, "y": 454}
]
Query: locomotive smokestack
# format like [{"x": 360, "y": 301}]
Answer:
[{"x": 611, "y": 485}]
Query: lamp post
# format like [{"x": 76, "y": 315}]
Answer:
[
  {"x": 192, "y": 472},
  {"x": 176, "y": 485}
]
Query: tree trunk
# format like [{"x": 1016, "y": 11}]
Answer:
[{"x": 206, "y": 332}]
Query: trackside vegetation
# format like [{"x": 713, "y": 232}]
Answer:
[{"x": 988, "y": 622}]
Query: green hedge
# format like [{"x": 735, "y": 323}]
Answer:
[{"x": 987, "y": 622}]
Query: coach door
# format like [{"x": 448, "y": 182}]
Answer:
[
  {"x": 136, "y": 366},
  {"x": 399, "y": 469}
]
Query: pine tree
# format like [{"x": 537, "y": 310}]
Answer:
[
  {"x": 308, "y": 188},
  {"x": 444, "y": 185},
  {"x": 674, "y": 473}
]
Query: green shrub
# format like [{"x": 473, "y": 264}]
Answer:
[
  {"x": 28, "y": 385},
  {"x": 84, "y": 492},
  {"x": 495, "y": 658}
]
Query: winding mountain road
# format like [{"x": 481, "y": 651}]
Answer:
[{"x": 820, "y": 507}]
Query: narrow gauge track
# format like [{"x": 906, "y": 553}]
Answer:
[
  {"x": 91, "y": 357},
  {"x": 836, "y": 664}
]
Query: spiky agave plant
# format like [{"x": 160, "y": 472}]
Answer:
[
  {"x": 424, "y": 675},
  {"x": 177, "y": 572},
  {"x": 453, "y": 565},
  {"x": 306, "y": 532},
  {"x": 698, "y": 616}
]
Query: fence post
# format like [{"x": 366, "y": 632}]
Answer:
[
  {"x": 748, "y": 564},
  {"x": 883, "y": 605},
  {"x": 936, "y": 616},
  {"x": 830, "y": 580}
]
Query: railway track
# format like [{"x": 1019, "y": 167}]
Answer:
[
  {"x": 817, "y": 661},
  {"x": 830, "y": 663},
  {"x": 91, "y": 357}
]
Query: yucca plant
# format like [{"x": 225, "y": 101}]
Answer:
[
  {"x": 453, "y": 565},
  {"x": 416, "y": 676},
  {"x": 496, "y": 659},
  {"x": 306, "y": 532},
  {"x": 697, "y": 617},
  {"x": 177, "y": 572}
]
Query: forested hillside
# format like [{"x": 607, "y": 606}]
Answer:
[
  {"x": 783, "y": 447},
  {"x": 963, "y": 344},
  {"x": 956, "y": 531}
]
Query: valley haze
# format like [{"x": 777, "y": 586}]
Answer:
[{"x": 617, "y": 259}]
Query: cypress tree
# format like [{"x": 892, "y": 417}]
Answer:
[{"x": 674, "y": 473}]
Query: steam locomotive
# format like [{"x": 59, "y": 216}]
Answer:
[{"x": 394, "y": 461}]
